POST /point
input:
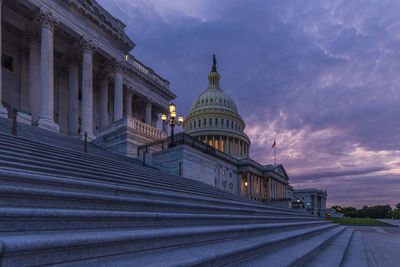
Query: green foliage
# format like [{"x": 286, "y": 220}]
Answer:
[
  {"x": 357, "y": 221},
  {"x": 376, "y": 212},
  {"x": 398, "y": 206}
]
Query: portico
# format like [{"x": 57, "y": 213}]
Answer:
[{"x": 73, "y": 77}]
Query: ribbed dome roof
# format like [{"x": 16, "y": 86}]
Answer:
[{"x": 213, "y": 98}]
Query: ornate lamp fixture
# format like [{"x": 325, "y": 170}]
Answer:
[{"x": 172, "y": 122}]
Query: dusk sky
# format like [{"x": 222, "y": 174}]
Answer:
[{"x": 320, "y": 77}]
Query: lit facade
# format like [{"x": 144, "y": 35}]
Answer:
[{"x": 66, "y": 67}]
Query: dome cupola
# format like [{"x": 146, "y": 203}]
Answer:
[{"x": 214, "y": 119}]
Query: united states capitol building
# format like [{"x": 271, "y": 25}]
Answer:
[{"x": 88, "y": 179}]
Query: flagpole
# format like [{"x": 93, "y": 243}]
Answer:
[{"x": 275, "y": 155}]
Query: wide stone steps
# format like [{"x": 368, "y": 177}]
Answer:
[
  {"x": 42, "y": 162},
  {"x": 333, "y": 253},
  {"x": 21, "y": 161},
  {"x": 17, "y": 219},
  {"x": 12, "y": 196},
  {"x": 60, "y": 206},
  {"x": 40, "y": 158},
  {"x": 58, "y": 139},
  {"x": 232, "y": 243}
]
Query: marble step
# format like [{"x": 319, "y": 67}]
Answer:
[
  {"x": 57, "y": 139},
  {"x": 39, "y": 185},
  {"x": 29, "y": 148},
  {"x": 356, "y": 254},
  {"x": 333, "y": 253},
  {"x": 11, "y": 196},
  {"x": 13, "y": 219},
  {"x": 296, "y": 253},
  {"x": 81, "y": 170},
  {"x": 43, "y": 167},
  {"x": 241, "y": 240}
]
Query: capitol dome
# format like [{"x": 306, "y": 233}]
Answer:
[{"x": 214, "y": 119}]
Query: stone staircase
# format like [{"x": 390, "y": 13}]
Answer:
[{"x": 62, "y": 207}]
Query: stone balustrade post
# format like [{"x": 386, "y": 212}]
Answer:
[{"x": 46, "y": 117}]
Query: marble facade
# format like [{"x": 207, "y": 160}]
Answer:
[{"x": 67, "y": 64}]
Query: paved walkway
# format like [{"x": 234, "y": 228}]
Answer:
[{"x": 381, "y": 243}]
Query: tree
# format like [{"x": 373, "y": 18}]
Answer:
[{"x": 398, "y": 206}]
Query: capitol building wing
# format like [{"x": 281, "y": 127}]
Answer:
[{"x": 67, "y": 67}]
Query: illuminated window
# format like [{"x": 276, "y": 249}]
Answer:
[
  {"x": 210, "y": 142},
  {"x": 223, "y": 172},
  {"x": 216, "y": 144},
  {"x": 223, "y": 145}
]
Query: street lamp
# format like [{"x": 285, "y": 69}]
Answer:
[{"x": 172, "y": 122}]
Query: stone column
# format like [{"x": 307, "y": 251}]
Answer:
[
  {"x": 128, "y": 102},
  {"x": 259, "y": 188},
  {"x": 34, "y": 73},
  {"x": 3, "y": 110},
  {"x": 46, "y": 117},
  {"x": 149, "y": 105},
  {"x": 262, "y": 188},
  {"x": 104, "y": 102},
  {"x": 220, "y": 143},
  {"x": 248, "y": 184},
  {"x": 118, "y": 90},
  {"x": 73, "y": 105},
  {"x": 87, "y": 87},
  {"x": 213, "y": 141}
]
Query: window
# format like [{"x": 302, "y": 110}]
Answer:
[
  {"x": 210, "y": 122},
  {"x": 205, "y": 122},
  {"x": 227, "y": 123},
  {"x": 7, "y": 62},
  {"x": 216, "y": 122},
  {"x": 210, "y": 100},
  {"x": 194, "y": 124},
  {"x": 190, "y": 126},
  {"x": 230, "y": 175},
  {"x": 222, "y": 122},
  {"x": 199, "y": 123},
  {"x": 223, "y": 172},
  {"x": 232, "y": 124}
]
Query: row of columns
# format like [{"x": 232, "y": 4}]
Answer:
[
  {"x": 255, "y": 186},
  {"x": 229, "y": 145},
  {"x": 277, "y": 189},
  {"x": 41, "y": 83}
]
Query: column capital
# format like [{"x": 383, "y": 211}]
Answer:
[
  {"x": 149, "y": 101},
  {"x": 46, "y": 19},
  {"x": 32, "y": 36},
  {"x": 119, "y": 66},
  {"x": 87, "y": 45}
]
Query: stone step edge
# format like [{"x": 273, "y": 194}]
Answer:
[
  {"x": 116, "y": 188},
  {"x": 17, "y": 192},
  {"x": 45, "y": 241}
]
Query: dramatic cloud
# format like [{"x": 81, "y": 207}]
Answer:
[{"x": 320, "y": 77}]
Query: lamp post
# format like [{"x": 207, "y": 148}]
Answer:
[{"x": 172, "y": 122}]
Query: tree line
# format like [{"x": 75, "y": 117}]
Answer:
[{"x": 375, "y": 212}]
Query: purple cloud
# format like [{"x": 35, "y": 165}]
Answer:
[{"x": 322, "y": 78}]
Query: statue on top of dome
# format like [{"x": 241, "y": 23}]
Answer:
[{"x": 214, "y": 67}]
